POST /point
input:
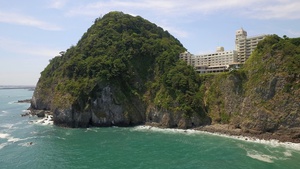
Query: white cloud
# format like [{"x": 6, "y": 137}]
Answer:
[
  {"x": 293, "y": 33},
  {"x": 280, "y": 9},
  {"x": 58, "y": 4},
  {"x": 261, "y": 9},
  {"x": 20, "y": 19},
  {"x": 175, "y": 31},
  {"x": 15, "y": 46},
  {"x": 95, "y": 9}
]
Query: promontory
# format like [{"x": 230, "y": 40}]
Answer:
[{"x": 125, "y": 71}]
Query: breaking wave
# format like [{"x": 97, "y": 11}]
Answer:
[{"x": 272, "y": 143}]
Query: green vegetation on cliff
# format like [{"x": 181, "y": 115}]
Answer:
[
  {"x": 277, "y": 56},
  {"x": 136, "y": 58},
  {"x": 117, "y": 48},
  {"x": 126, "y": 71},
  {"x": 179, "y": 90},
  {"x": 263, "y": 96}
]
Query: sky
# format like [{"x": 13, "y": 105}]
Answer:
[{"x": 34, "y": 31}]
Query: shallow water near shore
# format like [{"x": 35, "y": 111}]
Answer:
[{"x": 26, "y": 143}]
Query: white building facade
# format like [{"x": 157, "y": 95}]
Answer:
[
  {"x": 218, "y": 61},
  {"x": 188, "y": 57},
  {"x": 221, "y": 60},
  {"x": 245, "y": 46}
]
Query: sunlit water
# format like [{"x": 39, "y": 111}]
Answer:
[{"x": 24, "y": 143}]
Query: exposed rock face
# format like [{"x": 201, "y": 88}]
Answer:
[
  {"x": 124, "y": 71},
  {"x": 103, "y": 80},
  {"x": 103, "y": 111},
  {"x": 267, "y": 113},
  {"x": 261, "y": 98},
  {"x": 168, "y": 119}
]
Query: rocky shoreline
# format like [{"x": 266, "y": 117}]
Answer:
[
  {"x": 24, "y": 101},
  {"x": 288, "y": 135},
  {"x": 281, "y": 135}
]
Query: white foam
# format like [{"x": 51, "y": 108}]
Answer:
[
  {"x": 8, "y": 126},
  {"x": 61, "y": 138},
  {"x": 47, "y": 120},
  {"x": 261, "y": 157},
  {"x": 273, "y": 143},
  {"x": 27, "y": 144},
  {"x": 91, "y": 129},
  {"x": 26, "y": 111},
  {"x": 14, "y": 139},
  {"x": 9, "y": 138},
  {"x": 165, "y": 130},
  {"x": 4, "y": 135},
  {"x": 3, "y": 113},
  {"x": 68, "y": 133},
  {"x": 287, "y": 153},
  {"x": 255, "y": 154},
  {"x": 2, "y": 145}
]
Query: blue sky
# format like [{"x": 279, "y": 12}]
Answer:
[{"x": 34, "y": 31}]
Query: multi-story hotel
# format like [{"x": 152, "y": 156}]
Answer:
[
  {"x": 188, "y": 57},
  {"x": 218, "y": 61},
  {"x": 221, "y": 61},
  {"x": 245, "y": 46}
]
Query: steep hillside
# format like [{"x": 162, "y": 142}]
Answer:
[
  {"x": 264, "y": 95},
  {"x": 126, "y": 71},
  {"x": 123, "y": 71}
]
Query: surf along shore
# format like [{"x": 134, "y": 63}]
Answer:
[
  {"x": 252, "y": 139},
  {"x": 222, "y": 130},
  {"x": 280, "y": 135}
]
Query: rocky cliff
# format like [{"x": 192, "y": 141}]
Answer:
[
  {"x": 262, "y": 97},
  {"x": 116, "y": 76},
  {"x": 125, "y": 71}
]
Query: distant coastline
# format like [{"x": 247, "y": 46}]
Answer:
[{"x": 31, "y": 88}]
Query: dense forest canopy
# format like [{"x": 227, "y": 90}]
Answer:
[{"x": 129, "y": 52}]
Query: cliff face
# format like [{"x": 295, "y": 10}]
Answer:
[
  {"x": 115, "y": 76},
  {"x": 125, "y": 71},
  {"x": 169, "y": 119},
  {"x": 264, "y": 95}
]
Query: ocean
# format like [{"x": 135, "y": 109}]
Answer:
[{"x": 26, "y": 142}]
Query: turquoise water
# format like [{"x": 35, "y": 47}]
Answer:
[{"x": 25, "y": 144}]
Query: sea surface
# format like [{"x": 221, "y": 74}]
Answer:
[{"x": 27, "y": 143}]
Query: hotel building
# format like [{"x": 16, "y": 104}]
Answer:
[
  {"x": 221, "y": 61},
  {"x": 218, "y": 61},
  {"x": 188, "y": 57},
  {"x": 245, "y": 46}
]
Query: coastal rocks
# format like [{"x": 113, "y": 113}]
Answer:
[
  {"x": 105, "y": 110},
  {"x": 40, "y": 113},
  {"x": 27, "y": 113},
  {"x": 282, "y": 134},
  {"x": 102, "y": 110},
  {"x": 24, "y": 101},
  {"x": 121, "y": 85},
  {"x": 168, "y": 119},
  {"x": 47, "y": 120},
  {"x": 266, "y": 109}
]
